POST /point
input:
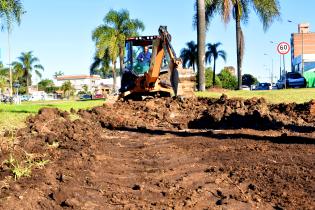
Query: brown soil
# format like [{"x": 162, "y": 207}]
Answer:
[{"x": 166, "y": 154}]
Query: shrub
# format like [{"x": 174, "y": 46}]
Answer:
[{"x": 228, "y": 80}]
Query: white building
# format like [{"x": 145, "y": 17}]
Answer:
[{"x": 93, "y": 82}]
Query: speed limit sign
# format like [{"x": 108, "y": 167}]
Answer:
[{"x": 283, "y": 48}]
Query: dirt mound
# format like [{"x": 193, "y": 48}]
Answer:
[
  {"x": 52, "y": 126},
  {"x": 204, "y": 114}
]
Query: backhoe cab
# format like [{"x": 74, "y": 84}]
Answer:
[{"x": 156, "y": 76}]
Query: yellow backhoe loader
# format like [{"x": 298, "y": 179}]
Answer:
[{"x": 157, "y": 73}]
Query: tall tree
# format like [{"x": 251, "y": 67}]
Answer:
[
  {"x": 189, "y": 55},
  {"x": 248, "y": 79},
  {"x": 267, "y": 10},
  {"x": 10, "y": 12},
  {"x": 46, "y": 85},
  {"x": 100, "y": 66},
  {"x": 3, "y": 83},
  {"x": 3, "y": 78},
  {"x": 213, "y": 52},
  {"x": 28, "y": 63},
  {"x": 201, "y": 37},
  {"x": 58, "y": 73},
  {"x": 119, "y": 26},
  {"x": 107, "y": 40},
  {"x": 3, "y": 71},
  {"x": 67, "y": 89}
]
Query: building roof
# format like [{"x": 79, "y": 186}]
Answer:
[{"x": 76, "y": 77}]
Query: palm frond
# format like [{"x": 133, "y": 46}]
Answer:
[
  {"x": 226, "y": 10},
  {"x": 189, "y": 54},
  {"x": 38, "y": 73},
  {"x": 267, "y": 10}
]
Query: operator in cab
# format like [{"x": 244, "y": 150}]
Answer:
[
  {"x": 145, "y": 56},
  {"x": 139, "y": 67}
]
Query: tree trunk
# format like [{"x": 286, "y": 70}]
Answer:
[
  {"x": 121, "y": 59},
  {"x": 213, "y": 79},
  {"x": 114, "y": 76},
  {"x": 238, "y": 48},
  {"x": 27, "y": 84},
  {"x": 201, "y": 36}
]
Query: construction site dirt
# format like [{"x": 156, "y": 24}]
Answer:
[{"x": 165, "y": 154}]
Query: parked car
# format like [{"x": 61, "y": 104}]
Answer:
[
  {"x": 245, "y": 87},
  {"x": 6, "y": 99},
  {"x": 25, "y": 97},
  {"x": 291, "y": 80},
  {"x": 263, "y": 86},
  {"x": 86, "y": 97},
  {"x": 98, "y": 96}
]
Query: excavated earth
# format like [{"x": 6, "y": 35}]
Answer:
[{"x": 165, "y": 154}]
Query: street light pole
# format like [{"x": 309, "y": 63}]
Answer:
[
  {"x": 272, "y": 42},
  {"x": 271, "y": 79}
]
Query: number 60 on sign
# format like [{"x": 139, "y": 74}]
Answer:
[{"x": 283, "y": 48}]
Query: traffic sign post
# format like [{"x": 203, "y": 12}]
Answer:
[{"x": 283, "y": 48}]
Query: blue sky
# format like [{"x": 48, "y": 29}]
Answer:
[{"x": 59, "y": 32}]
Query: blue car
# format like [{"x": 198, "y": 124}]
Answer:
[
  {"x": 263, "y": 86},
  {"x": 86, "y": 97},
  {"x": 25, "y": 98},
  {"x": 291, "y": 80}
]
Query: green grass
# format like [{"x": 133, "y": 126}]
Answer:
[
  {"x": 272, "y": 96},
  {"x": 13, "y": 116}
]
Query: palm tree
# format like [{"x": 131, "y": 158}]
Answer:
[
  {"x": 112, "y": 34},
  {"x": 189, "y": 55},
  {"x": 67, "y": 88},
  {"x": 3, "y": 77},
  {"x": 100, "y": 66},
  {"x": 215, "y": 53},
  {"x": 10, "y": 11},
  {"x": 3, "y": 71},
  {"x": 58, "y": 73},
  {"x": 3, "y": 83},
  {"x": 28, "y": 63},
  {"x": 267, "y": 10},
  {"x": 106, "y": 40},
  {"x": 201, "y": 37}
]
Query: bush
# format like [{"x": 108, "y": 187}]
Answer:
[
  {"x": 209, "y": 79},
  {"x": 228, "y": 80}
]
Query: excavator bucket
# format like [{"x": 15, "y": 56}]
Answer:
[{"x": 174, "y": 81}]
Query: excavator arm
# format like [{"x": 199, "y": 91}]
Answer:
[{"x": 163, "y": 46}]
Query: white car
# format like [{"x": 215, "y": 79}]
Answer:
[{"x": 245, "y": 87}]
